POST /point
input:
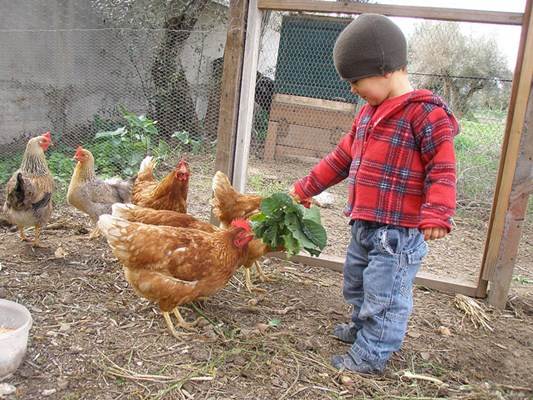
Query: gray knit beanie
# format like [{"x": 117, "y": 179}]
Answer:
[{"x": 370, "y": 45}]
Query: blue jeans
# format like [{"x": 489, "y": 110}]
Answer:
[{"x": 380, "y": 268}]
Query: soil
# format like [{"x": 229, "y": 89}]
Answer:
[{"x": 94, "y": 338}]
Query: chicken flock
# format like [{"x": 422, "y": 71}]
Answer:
[{"x": 168, "y": 256}]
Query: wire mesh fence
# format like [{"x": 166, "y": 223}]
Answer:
[
  {"x": 96, "y": 74},
  {"x": 122, "y": 88},
  {"x": 307, "y": 108}
]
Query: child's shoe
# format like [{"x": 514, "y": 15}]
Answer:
[
  {"x": 345, "y": 332},
  {"x": 346, "y": 362}
]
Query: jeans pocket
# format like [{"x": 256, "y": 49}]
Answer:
[
  {"x": 416, "y": 254},
  {"x": 390, "y": 239},
  {"x": 411, "y": 264}
]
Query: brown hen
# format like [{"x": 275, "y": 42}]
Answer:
[
  {"x": 29, "y": 191},
  {"x": 168, "y": 194},
  {"x": 175, "y": 266}
]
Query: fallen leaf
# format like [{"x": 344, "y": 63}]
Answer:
[
  {"x": 346, "y": 380},
  {"x": 64, "y": 327},
  {"x": 444, "y": 331},
  {"x": 6, "y": 388},
  {"x": 262, "y": 328},
  {"x": 425, "y": 355},
  {"x": 60, "y": 252}
]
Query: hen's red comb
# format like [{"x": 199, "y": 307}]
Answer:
[
  {"x": 183, "y": 165},
  {"x": 47, "y": 136},
  {"x": 241, "y": 223},
  {"x": 78, "y": 151}
]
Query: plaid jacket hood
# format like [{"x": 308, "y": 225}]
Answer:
[{"x": 399, "y": 161}]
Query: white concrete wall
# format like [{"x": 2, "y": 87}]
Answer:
[{"x": 60, "y": 65}]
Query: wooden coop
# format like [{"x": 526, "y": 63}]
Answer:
[
  {"x": 302, "y": 127},
  {"x": 514, "y": 182}
]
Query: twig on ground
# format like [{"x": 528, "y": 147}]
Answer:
[{"x": 473, "y": 311}]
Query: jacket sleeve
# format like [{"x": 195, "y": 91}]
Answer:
[
  {"x": 435, "y": 135},
  {"x": 332, "y": 169}
]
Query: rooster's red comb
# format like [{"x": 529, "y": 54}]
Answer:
[
  {"x": 79, "y": 151},
  {"x": 47, "y": 136},
  {"x": 241, "y": 223}
]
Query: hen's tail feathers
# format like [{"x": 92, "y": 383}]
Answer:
[
  {"x": 114, "y": 230},
  {"x": 121, "y": 210},
  {"x": 16, "y": 197},
  {"x": 43, "y": 202},
  {"x": 147, "y": 164},
  {"x": 221, "y": 184}
]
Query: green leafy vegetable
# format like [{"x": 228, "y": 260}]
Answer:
[{"x": 282, "y": 222}]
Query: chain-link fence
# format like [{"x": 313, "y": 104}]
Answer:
[
  {"x": 125, "y": 81},
  {"x": 120, "y": 83},
  {"x": 303, "y": 108}
]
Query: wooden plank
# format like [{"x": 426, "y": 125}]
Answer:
[
  {"x": 483, "y": 281},
  {"x": 270, "y": 142},
  {"x": 515, "y": 215},
  {"x": 312, "y": 102},
  {"x": 308, "y": 137},
  {"x": 510, "y": 149},
  {"x": 315, "y": 117},
  {"x": 433, "y": 13},
  {"x": 425, "y": 279},
  {"x": 247, "y": 98},
  {"x": 231, "y": 84},
  {"x": 298, "y": 153}
]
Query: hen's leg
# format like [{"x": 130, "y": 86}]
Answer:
[
  {"x": 170, "y": 325},
  {"x": 37, "y": 240},
  {"x": 184, "y": 324},
  {"x": 248, "y": 282},
  {"x": 22, "y": 234},
  {"x": 262, "y": 276},
  {"x": 95, "y": 233}
]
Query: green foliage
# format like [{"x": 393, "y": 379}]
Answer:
[
  {"x": 121, "y": 151},
  {"x": 186, "y": 141},
  {"x": 477, "y": 148},
  {"x": 522, "y": 280},
  {"x": 260, "y": 126},
  {"x": 282, "y": 222},
  {"x": 8, "y": 165}
]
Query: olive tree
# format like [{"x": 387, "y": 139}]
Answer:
[{"x": 456, "y": 65}]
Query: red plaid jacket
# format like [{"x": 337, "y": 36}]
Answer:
[{"x": 400, "y": 163}]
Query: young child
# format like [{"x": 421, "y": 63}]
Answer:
[{"x": 400, "y": 164}]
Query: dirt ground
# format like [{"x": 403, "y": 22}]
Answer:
[{"x": 93, "y": 338}]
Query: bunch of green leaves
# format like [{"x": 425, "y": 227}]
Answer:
[
  {"x": 282, "y": 222},
  {"x": 186, "y": 142},
  {"x": 122, "y": 150}
]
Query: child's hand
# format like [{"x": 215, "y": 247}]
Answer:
[
  {"x": 305, "y": 202},
  {"x": 434, "y": 233}
]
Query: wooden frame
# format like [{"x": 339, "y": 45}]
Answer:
[{"x": 514, "y": 180}]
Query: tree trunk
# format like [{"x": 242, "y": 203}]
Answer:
[{"x": 174, "y": 107}]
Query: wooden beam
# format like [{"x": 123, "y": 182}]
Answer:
[
  {"x": 434, "y": 13},
  {"x": 231, "y": 86},
  {"x": 425, "y": 279},
  {"x": 510, "y": 149},
  {"x": 247, "y": 97},
  {"x": 515, "y": 214}
]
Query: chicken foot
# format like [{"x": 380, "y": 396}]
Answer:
[
  {"x": 184, "y": 324},
  {"x": 262, "y": 276},
  {"x": 189, "y": 326},
  {"x": 248, "y": 282},
  {"x": 37, "y": 239},
  {"x": 22, "y": 235},
  {"x": 95, "y": 233},
  {"x": 170, "y": 325}
]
